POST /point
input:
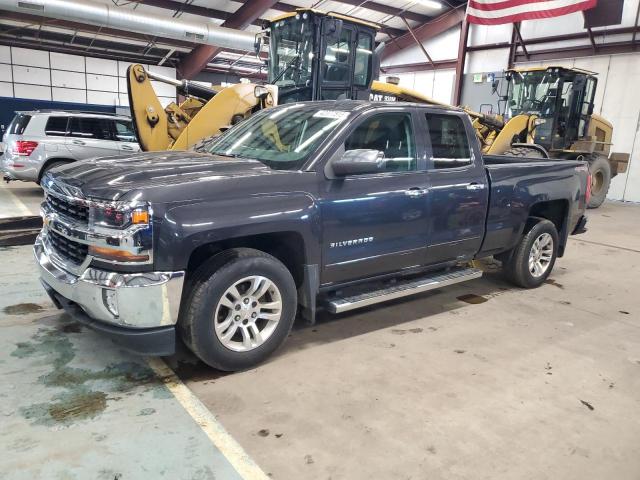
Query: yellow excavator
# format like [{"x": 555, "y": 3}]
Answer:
[{"x": 329, "y": 56}]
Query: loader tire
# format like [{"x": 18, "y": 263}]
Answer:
[
  {"x": 600, "y": 179},
  {"x": 523, "y": 152}
]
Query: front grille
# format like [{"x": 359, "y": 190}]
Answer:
[
  {"x": 74, "y": 251},
  {"x": 68, "y": 209}
]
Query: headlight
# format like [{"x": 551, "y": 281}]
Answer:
[
  {"x": 120, "y": 217},
  {"x": 126, "y": 230}
]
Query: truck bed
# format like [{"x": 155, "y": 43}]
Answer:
[
  {"x": 517, "y": 185},
  {"x": 504, "y": 160}
]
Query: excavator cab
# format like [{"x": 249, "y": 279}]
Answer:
[
  {"x": 321, "y": 56},
  {"x": 561, "y": 99}
]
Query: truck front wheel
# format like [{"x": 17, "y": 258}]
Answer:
[
  {"x": 239, "y": 310},
  {"x": 533, "y": 258}
]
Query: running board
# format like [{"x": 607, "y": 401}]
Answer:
[{"x": 403, "y": 288}]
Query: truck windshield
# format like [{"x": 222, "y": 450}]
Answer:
[
  {"x": 291, "y": 44},
  {"x": 533, "y": 92},
  {"x": 282, "y": 138}
]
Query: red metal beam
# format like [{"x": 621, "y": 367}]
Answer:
[
  {"x": 462, "y": 57},
  {"x": 375, "y": 6},
  {"x": 557, "y": 38},
  {"x": 222, "y": 15},
  {"x": 516, "y": 27},
  {"x": 424, "y": 50},
  {"x": 440, "y": 24},
  {"x": 613, "y": 48},
  {"x": 249, "y": 12},
  {"x": 421, "y": 67}
]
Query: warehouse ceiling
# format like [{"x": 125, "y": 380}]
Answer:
[{"x": 32, "y": 31}]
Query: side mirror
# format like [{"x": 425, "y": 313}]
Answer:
[
  {"x": 258, "y": 43},
  {"x": 260, "y": 91},
  {"x": 494, "y": 86},
  {"x": 358, "y": 162}
]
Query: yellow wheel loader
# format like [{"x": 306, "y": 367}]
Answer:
[
  {"x": 328, "y": 56},
  {"x": 550, "y": 113},
  {"x": 204, "y": 112}
]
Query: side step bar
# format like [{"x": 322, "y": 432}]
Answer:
[{"x": 403, "y": 288}]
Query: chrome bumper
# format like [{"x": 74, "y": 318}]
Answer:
[{"x": 132, "y": 300}]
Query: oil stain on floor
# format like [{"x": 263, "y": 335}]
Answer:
[
  {"x": 22, "y": 309},
  {"x": 472, "y": 298},
  {"x": 85, "y": 393}
]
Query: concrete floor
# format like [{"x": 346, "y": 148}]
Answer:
[
  {"x": 479, "y": 380},
  {"x": 19, "y": 199}
]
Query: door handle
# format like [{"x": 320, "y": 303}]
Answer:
[
  {"x": 475, "y": 186},
  {"x": 126, "y": 147},
  {"x": 78, "y": 142},
  {"x": 415, "y": 192}
]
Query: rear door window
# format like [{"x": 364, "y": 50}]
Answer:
[
  {"x": 19, "y": 124},
  {"x": 449, "y": 143},
  {"x": 124, "y": 131},
  {"x": 56, "y": 126},
  {"x": 90, "y": 128}
]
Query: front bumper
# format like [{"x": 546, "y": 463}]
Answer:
[{"x": 138, "y": 310}]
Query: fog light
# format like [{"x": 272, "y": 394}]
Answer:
[{"x": 110, "y": 300}]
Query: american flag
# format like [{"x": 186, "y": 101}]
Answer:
[{"x": 494, "y": 12}]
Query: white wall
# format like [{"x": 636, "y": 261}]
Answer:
[
  {"x": 42, "y": 75},
  {"x": 437, "y": 84},
  {"x": 617, "y": 97},
  {"x": 619, "y": 102}
]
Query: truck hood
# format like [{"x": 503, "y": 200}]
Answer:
[{"x": 122, "y": 177}]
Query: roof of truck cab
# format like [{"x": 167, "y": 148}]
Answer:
[{"x": 360, "y": 105}]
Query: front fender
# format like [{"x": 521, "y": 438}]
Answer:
[{"x": 185, "y": 227}]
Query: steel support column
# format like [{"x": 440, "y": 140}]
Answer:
[{"x": 462, "y": 56}]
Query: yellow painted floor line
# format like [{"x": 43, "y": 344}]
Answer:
[
  {"x": 224, "y": 442},
  {"x": 19, "y": 209}
]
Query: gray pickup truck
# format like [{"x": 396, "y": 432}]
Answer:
[{"x": 307, "y": 206}]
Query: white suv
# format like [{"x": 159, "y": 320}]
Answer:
[{"x": 40, "y": 140}]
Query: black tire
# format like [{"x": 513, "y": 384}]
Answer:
[
  {"x": 523, "y": 152},
  {"x": 516, "y": 267},
  {"x": 600, "y": 170},
  {"x": 206, "y": 289},
  {"x": 50, "y": 166}
]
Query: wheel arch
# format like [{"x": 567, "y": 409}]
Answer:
[
  {"x": 49, "y": 161},
  {"x": 286, "y": 246},
  {"x": 556, "y": 211}
]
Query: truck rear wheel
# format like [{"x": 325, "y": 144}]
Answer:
[
  {"x": 533, "y": 258},
  {"x": 239, "y": 310},
  {"x": 600, "y": 179}
]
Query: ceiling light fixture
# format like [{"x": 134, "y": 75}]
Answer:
[{"x": 429, "y": 3}]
